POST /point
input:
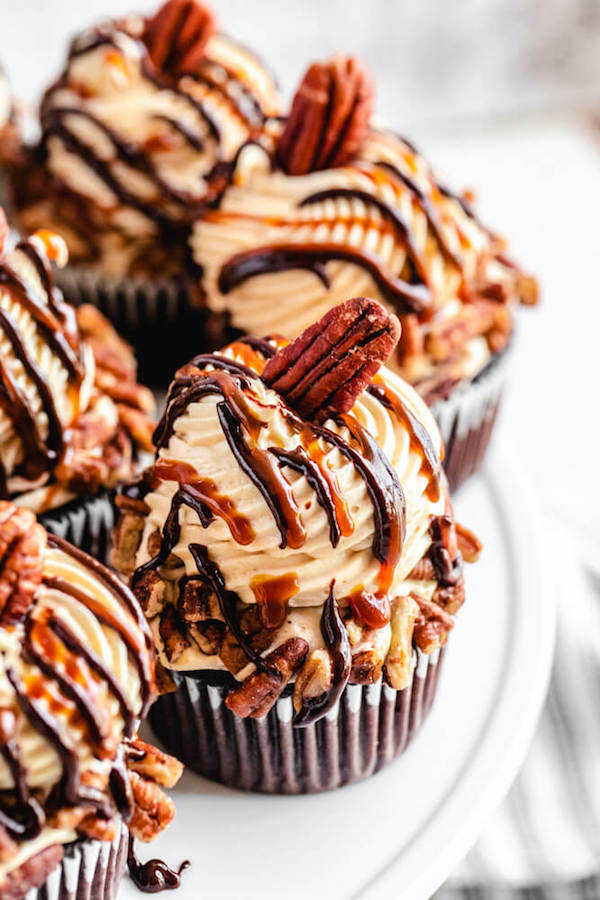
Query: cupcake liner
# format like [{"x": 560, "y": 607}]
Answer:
[
  {"x": 466, "y": 420},
  {"x": 90, "y": 870},
  {"x": 159, "y": 318},
  {"x": 368, "y": 727},
  {"x": 86, "y": 522}
]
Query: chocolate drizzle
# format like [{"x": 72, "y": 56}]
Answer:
[
  {"x": 338, "y": 646},
  {"x": 56, "y": 328},
  {"x": 419, "y": 438},
  {"x": 405, "y": 297},
  {"x": 155, "y": 875}
]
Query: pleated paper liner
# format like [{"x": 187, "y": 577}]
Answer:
[
  {"x": 158, "y": 318},
  {"x": 368, "y": 728},
  {"x": 90, "y": 870},
  {"x": 467, "y": 417},
  {"x": 86, "y": 522}
]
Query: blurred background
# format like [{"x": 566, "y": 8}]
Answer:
[{"x": 503, "y": 96}]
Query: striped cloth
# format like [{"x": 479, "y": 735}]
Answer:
[{"x": 544, "y": 841}]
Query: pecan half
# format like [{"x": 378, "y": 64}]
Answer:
[
  {"x": 197, "y": 602},
  {"x": 98, "y": 828},
  {"x": 22, "y": 547},
  {"x": 259, "y": 637},
  {"x": 152, "y": 809},
  {"x": 176, "y": 37},
  {"x": 208, "y": 636},
  {"x": 150, "y": 762},
  {"x": 329, "y": 118},
  {"x": 325, "y": 369},
  {"x": 260, "y": 691}
]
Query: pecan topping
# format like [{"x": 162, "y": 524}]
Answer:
[
  {"x": 152, "y": 763},
  {"x": 366, "y": 667},
  {"x": 98, "y": 828},
  {"x": 176, "y": 37},
  {"x": 398, "y": 659},
  {"x": 468, "y": 543},
  {"x": 325, "y": 369},
  {"x": 173, "y": 633},
  {"x": 150, "y": 590},
  {"x": 197, "y": 602},
  {"x": 329, "y": 118},
  {"x": 22, "y": 546},
  {"x": 233, "y": 656},
  {"x": 314, "y": 678},
  {"x": 152, "y": 809},
  {"x": 127, "y": 537},
  {"x": 432, "y": 625},
  {"x": 260, "y": 691}
]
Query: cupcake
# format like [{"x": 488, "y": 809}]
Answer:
[
  {"x": 294, "y": 548},
  {"x": 342, "y": 207},
  {"x": 76, "y": 673},
  {"x": 73, "y": 419},
  {"x": 136, "y": 133}
]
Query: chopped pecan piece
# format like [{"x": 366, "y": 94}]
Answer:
[
  {"x": 423, "y": 571},
  {"x": 208, "y": 636},
  {"x": 197, "y": 602},
  {"x": 98, "y": 828},
  {"x": 22, "y": 547},
  {"x": 314, "y": 678},
  {"x": 468, "y": 543},
  {"x": 150, "y": 591},
  {"x": 366, "y": 667},
  {"x": 261, "y": 690},
  {"x": 152, "y": 809},
  {"x": 259, "y": 637},
  {"x": 163, "y": 679},
  {"x": 398, "y": 659},
  {"x": 450, "y": 597},
  {"x": 150, "y": 762},
  {"x": 329, "y": 117},
  {"x": 325, "y": 369},
  {"x": 127, "y": 537},
  {"x": 173, "y": 633},
  {"x": 432, "y": 625}
]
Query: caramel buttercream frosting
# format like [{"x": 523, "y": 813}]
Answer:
[
  {"x": 296, "y": 522},
  {"x": 135, "y": 131},
  {"x": 72, "y": 416},
  {"x": 342, "y": 207},
  {"x": 76, "y": 675}
]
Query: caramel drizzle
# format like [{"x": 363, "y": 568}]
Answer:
[
  {"x": 270, "y": 258},
  {"x": 419, "y": 439},
  {"x": 336, "y": 641},
  {"x": 387, "y": 212},
  {"x": 426, "y": 205}
]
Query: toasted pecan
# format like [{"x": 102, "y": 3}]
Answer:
[
  {"x": 261, "y": 690},
  {"x": 432, "y": 625},
  {"x": 150, "y": 762},
  {"x": 176, "y": 37},
  {"x": 325, "y": 369},
  {"x": 314, "y": 678},
  {"x": 152, "y": 809},
  {"x": 366, "y": 667},
  {"x": 22, "y": 547},
  {"x": 329, "y": 118}
]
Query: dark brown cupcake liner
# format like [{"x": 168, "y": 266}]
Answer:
[
  {"x": 158, "y": 318},
  {"x": 90, "y": 870},
  {"x": 86, "y": 522},
  {"x": 368, "y": 728},
  {"x": 466, "y": 420}
]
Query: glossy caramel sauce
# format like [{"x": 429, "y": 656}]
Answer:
[{"x": 272, "y": 596}]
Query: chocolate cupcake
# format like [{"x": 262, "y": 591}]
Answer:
[
  {"x": 76, "y": 673},
  {"x": 72, "y": 416},
  {"x": 341, "y": 207},
  {"x": 137, "y": 133},
  {"x": 294, "y": 548}
]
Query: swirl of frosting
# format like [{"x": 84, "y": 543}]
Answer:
[
  {"x": 50, "y": 389},
  {"x": 380, "y": 226},
  {"x": 281, "y": 505},
  {"x": 134, "y": 147}
]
